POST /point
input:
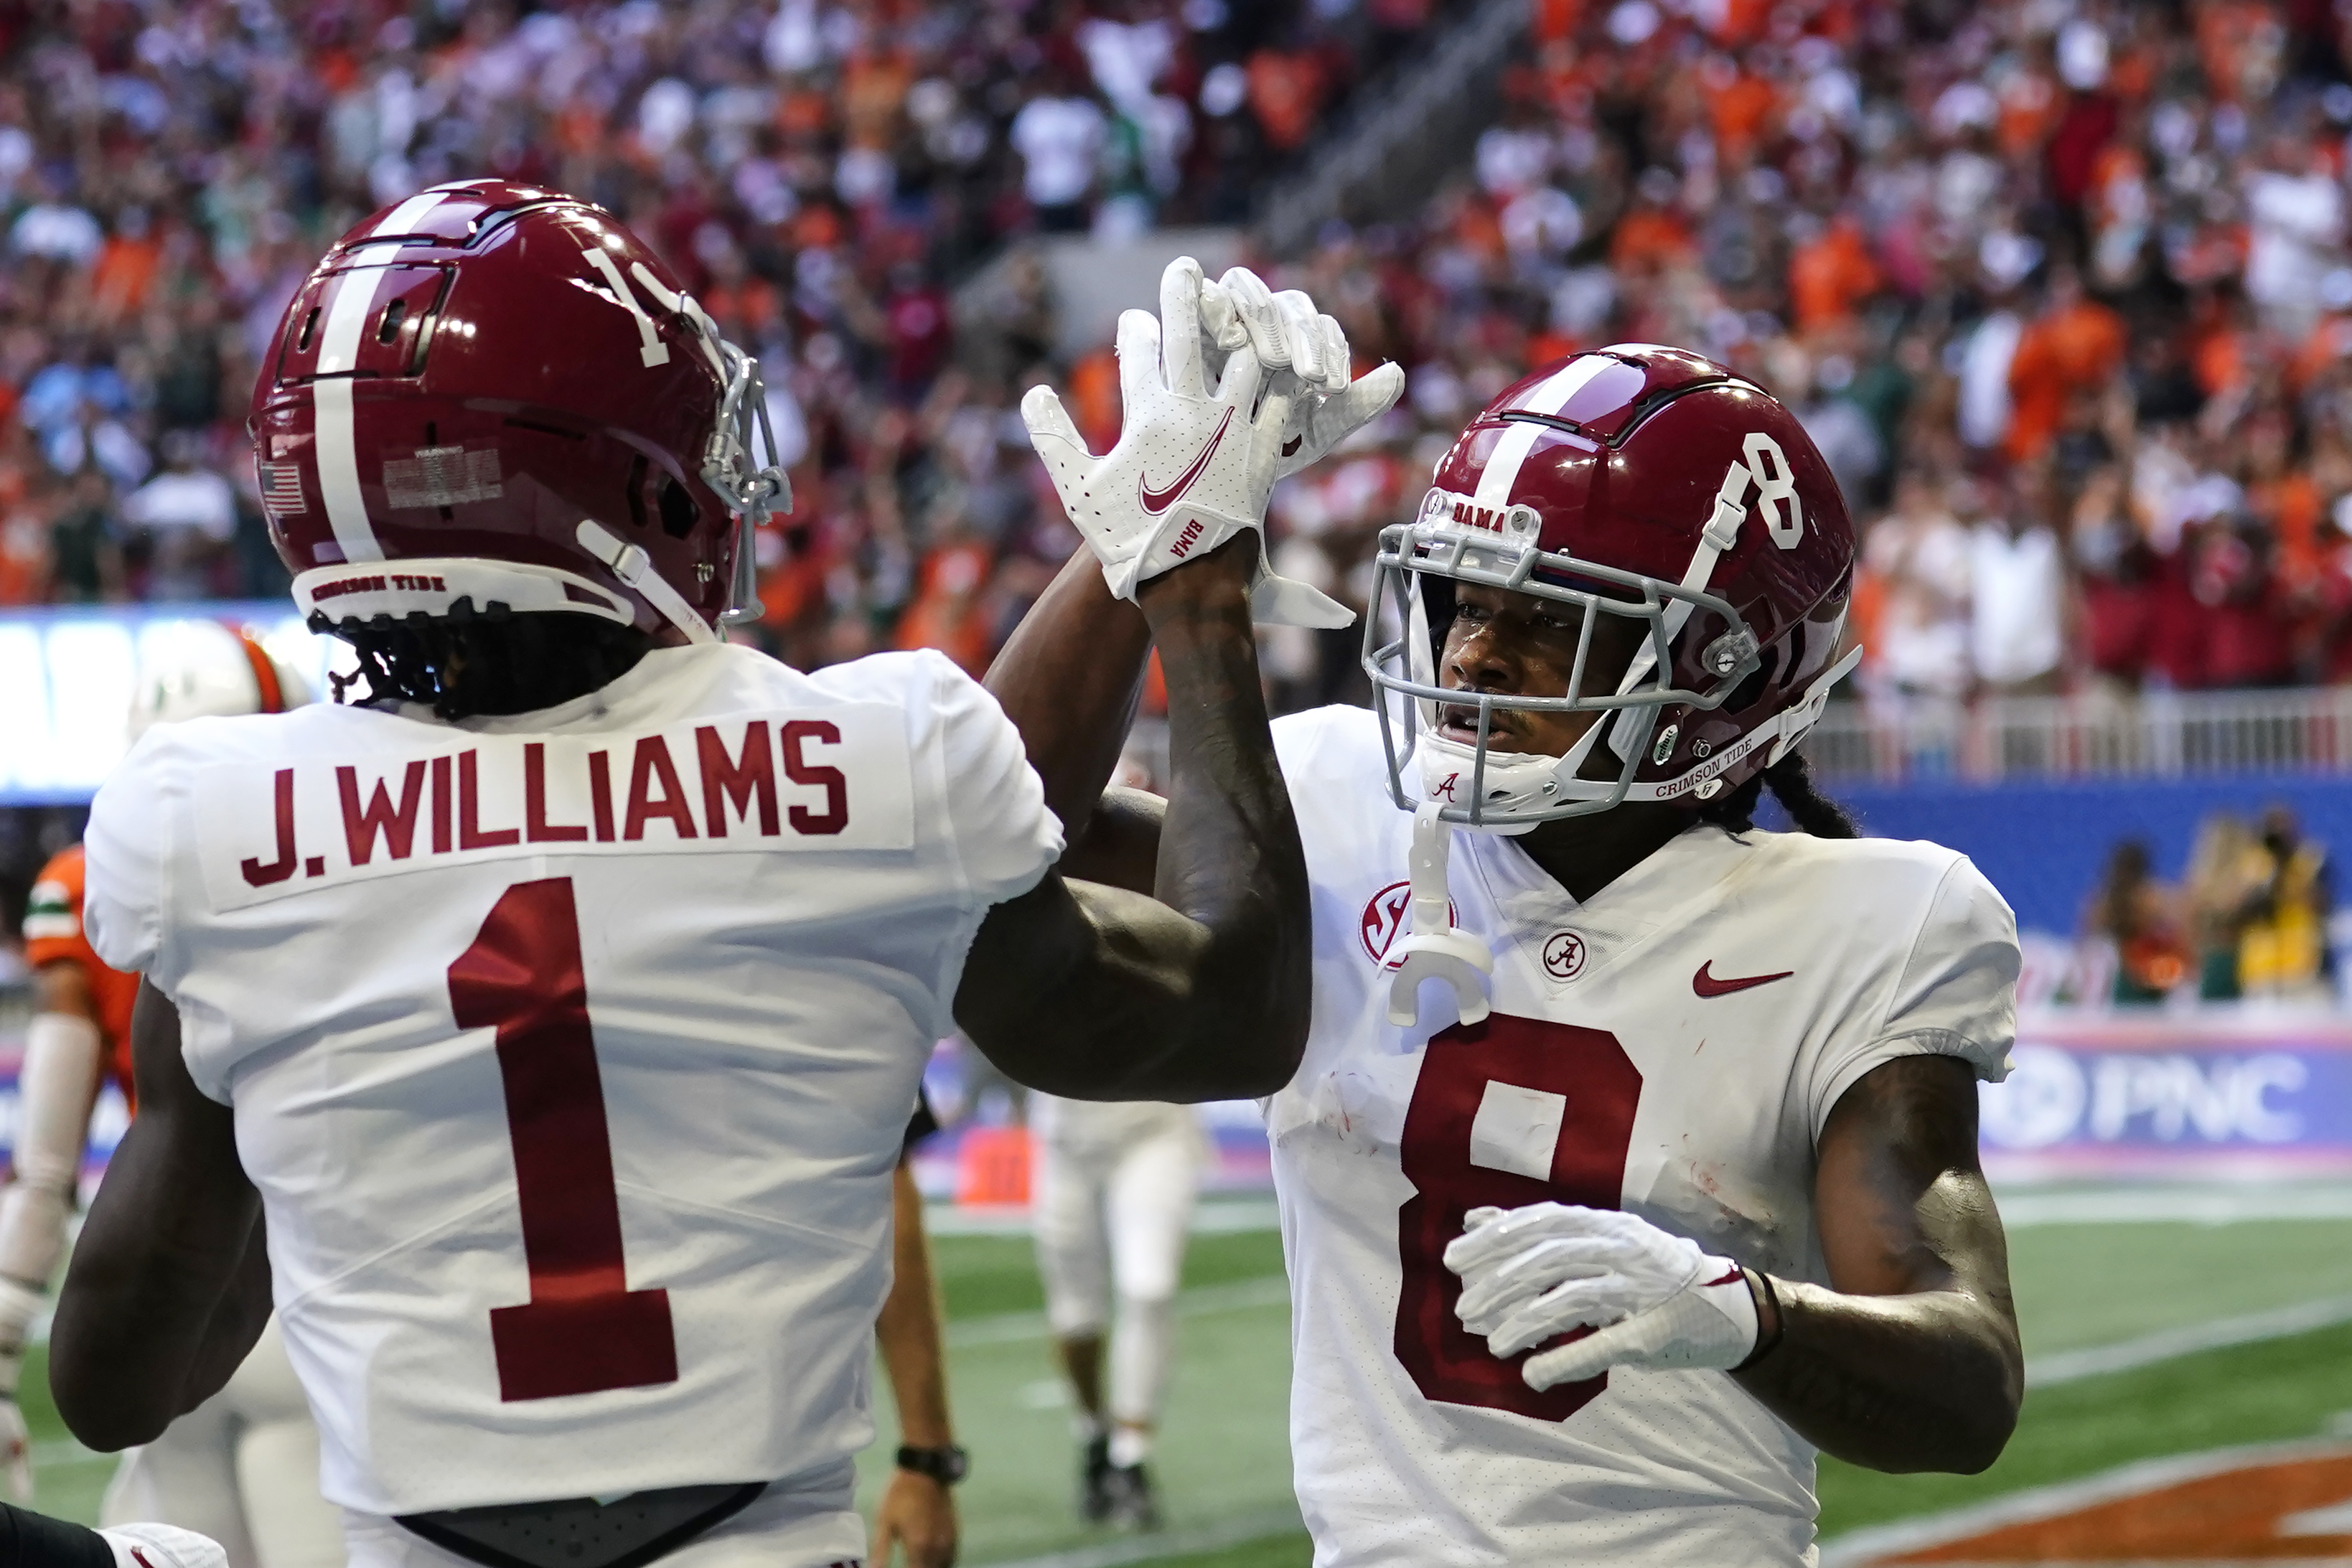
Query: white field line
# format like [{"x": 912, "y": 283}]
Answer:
[
  {"x": 1010, "y": 1328},
  {"x": 1857, "y": 1547},
  {"x": 2217, "y": 1205},
  {"x": 1253, "y": 1526},
  {"x": 2069, "y": 1365}
]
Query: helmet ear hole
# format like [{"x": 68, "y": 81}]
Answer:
[
  {"x": 677, "y": 509},
  {"x": 1743, "y": 696}
]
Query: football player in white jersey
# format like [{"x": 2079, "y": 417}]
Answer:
[
  {"x": 1633, "y": 1156},
  {"x": 540, "y": 1032},
  {"x": 1112, "y": 1204}
]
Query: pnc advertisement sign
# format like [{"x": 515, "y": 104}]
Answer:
[{"x": 2210, "y": 1095}]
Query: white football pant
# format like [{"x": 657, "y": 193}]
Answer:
[
  {"x": 1111, "y": 1217},
  {"x": 242, "y": 1467}
]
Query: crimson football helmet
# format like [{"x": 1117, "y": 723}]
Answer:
[
  {"x": 494, "y": 399},
  {"x": 1635, "y": 481}
]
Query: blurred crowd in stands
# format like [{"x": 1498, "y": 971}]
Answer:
[
  {"x": 817, "y": 170},
  {"x": 2062, "y": 286},
  {"x": 2249, "y": 919}
]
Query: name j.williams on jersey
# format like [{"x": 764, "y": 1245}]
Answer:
[{"x": 836, "y": 780}]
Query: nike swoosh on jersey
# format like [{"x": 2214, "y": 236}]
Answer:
[
  {"x": 1158, "y": 501},
  {"x": 1707, "y": 985}
]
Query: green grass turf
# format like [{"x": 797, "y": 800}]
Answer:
[
  {"x": 2095, "y": 1284},
  {"x": 1226, "y": 1449},
  {"x": 2279, "y": 1389},
  {"x": 2082, "y": 1285},
  {"x": 984, "y": 1275},
  {"x": 1224, "y": 1453},
  {"x": 68, "y": 1478}
]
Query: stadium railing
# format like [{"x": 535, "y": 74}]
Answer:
[{"x": 2094, "y": 735}]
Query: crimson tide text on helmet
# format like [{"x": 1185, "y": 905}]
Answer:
[
  {"x": 491, "y": 398},
  {"x": 1635, "y": 481}
]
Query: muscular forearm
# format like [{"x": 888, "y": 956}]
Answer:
[
  {"x": 1229, "y": 851},
  {"x": 147, "y": 1331},
  {"x": 907, "y": 1332},
  {"x": 1068, "y": 678},
  {"x": 1923, "y": 1382}
]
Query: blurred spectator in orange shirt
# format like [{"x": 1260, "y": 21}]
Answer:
[
  {"x": 2076, "y": 344},
  {"x": 1651, "y": 237},
  {"x": 1830, "y": 274}
]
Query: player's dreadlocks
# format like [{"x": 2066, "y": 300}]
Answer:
[
  {"x": 1792, "y": 781},
  {"x": 468, "y": 664}
]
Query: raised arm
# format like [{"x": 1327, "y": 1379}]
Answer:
[
  {"x": 1201, "y": 992},
  {"x": 1911, "y": 1360},
  {"x": 168, "y": 1285},
  {"x": 1069, "y": 676}
]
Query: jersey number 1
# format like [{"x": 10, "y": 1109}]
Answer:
[{"x": 584, "y": 1330}]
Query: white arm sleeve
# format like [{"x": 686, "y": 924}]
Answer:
[
  {"x": 1955, "y": 994},
  {"x": 64, "y": 1059}
]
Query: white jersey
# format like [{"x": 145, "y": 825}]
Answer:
[
  {"x": 1671, "y": 1049},
  {"x": 571, "y": 1052}
]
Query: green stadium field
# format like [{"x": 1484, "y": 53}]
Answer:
[{"x": 1223, "y": 1462}]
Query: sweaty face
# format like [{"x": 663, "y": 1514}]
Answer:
[{"x": 1517, "y": 645}]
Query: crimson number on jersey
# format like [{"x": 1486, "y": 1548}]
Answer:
[
  {"x": 584, "y": 1330},
  {"x": 1591, "y": 1072}
]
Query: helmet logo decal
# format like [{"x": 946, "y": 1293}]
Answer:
[
  {"x": 281, "y": 489},
  {"x": 651, "y": 349},
  {"x": 1776, "y": 490},
  {"x": 1445, "y": 788},
  {"x": 1448, "y": 510}
]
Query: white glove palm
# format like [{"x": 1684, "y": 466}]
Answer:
[
  {"x": 163, "y": 1546},
  {"x": 1655, "y": 1300},
  {"x": 1191, "y": 468}
]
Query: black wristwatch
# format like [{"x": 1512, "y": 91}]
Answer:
[{"x": 946, "y": 1465}]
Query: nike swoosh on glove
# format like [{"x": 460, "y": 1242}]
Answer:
[
  {"x": 1191, "y": 468},
  {"x": 1652, "y": 1298},
  {"x": 163, "y": 1546}
]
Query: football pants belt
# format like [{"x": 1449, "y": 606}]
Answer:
[{"x": 580, "y": 1532}]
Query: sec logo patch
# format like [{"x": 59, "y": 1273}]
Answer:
[
  {"x": 1563, "y": 954},
  {"x": 1387, "y": 913}
]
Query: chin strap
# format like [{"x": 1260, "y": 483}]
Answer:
[
  {"x": 633, "y": 567},
  {"x": 1435, "y": 948}
]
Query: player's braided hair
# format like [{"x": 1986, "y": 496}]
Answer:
[
  {"x": 1791, "y": 782},
  {"x": 461, "y": 666}
]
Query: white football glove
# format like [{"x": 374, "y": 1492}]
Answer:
[
  {"x": 163, "y": 1546},
  {"x": 1290, "y": 334},
  {"x": 1191, "y": 468},
  {"x": 1653, "y": 1298}
]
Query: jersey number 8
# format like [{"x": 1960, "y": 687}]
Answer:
[
  {"x": 584, "y": 1330},
  {"x": 1587, "y": 1070}
]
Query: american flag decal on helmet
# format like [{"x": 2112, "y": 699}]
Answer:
[{"x": 281, "y": 489}]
